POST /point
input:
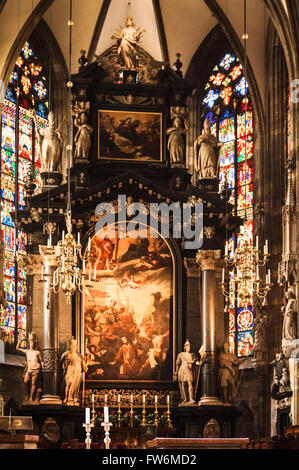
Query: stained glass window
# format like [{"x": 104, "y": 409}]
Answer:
[
  {"x": 227, "y": 105},
  {"x": 27, "y": 91}
]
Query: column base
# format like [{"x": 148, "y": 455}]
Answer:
[
  {"x": 50, "y": 400},
  {"x": 210, "y": 401}
]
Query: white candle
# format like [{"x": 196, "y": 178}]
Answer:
[
  {"x": 257, "y": 273},
  {"x": 106, "y": 414},
  {"x": 105, "y": 393},
  {"x": 131, "y": 398},
  {"x": 167, "y": 398},
  {"x": 118, "y": 398},
  {"x": 143, "y": 398},
  {"x": 84, "y": 266},
  {"x": 226, "y": 249},
  {"x": 78, "y": 238},
  {"x": 269, "y": 276},
  {"x": 223, "y": 274},
  {"x": 92, "y": 398},
  {"x": 156, "y": 398},
  {"x": 266, "y": 247},
  {"x": 63, "y": 235},
  {"x": 257, "y": 242},
  {"x": 89, "y": 280},
  {"x": 87, "y": 415}
]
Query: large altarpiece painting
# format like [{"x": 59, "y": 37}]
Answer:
[{"x": 128, "y": 310}]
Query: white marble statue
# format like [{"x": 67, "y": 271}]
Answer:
[
  {"x": 73, "y": 366},
  {"x": 206, "y": 153},
  {"x": 82, "y": 137},
  {"x": 50, "y": 142},
  {"x": 128, "y": 39},
  {"x": 175, "y": 143},
  {"x": 289, "y": 317},
  {"x": 33, "y": 368},
  {"x": 184, "y": 374}
]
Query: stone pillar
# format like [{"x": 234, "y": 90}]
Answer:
[
  {"x": 50, "y": 350},
  {"x": 209, "y": 261}
]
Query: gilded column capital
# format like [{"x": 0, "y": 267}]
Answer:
[
  {"x": 192, "y": 267},
  {"x": 209, "y": 259}
]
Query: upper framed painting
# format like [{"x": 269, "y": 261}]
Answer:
[{"x": 129, "y": 135}]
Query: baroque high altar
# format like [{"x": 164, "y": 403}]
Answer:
[{"x": 143, "y": 321}]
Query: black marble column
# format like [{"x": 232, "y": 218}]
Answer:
[{"x": 50, "y": 350}]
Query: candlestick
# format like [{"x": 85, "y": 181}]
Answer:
[
  {"x": 106, "y": 414},
  {"x": 93, "y": 411},
  {"x": 168, "y": 413},
  {"x": 156, "y": 411},
  {"x": 107, "y": 439},
  {"x": 143, "y": 423},
  {"x": 87, "y": 427},
  {"x": 119, "y": 412},
  {"x": 87, "y": 415},
  {"x": 131, "y": 412}
]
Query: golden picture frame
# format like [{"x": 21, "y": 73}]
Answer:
[{"x": 130, "y": 135}]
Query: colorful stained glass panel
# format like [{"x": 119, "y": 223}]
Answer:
[
  {"x": 227, "y": 61},
  {"x": 245, "y": 172},
  {"x": 8, "y": 163},
  {"x": 217, "y": 79},
  {"x": 226, "y": 130},
  {"x": 21, "y": 242},
  {"x": 22, "y": 313},
  {"x": 8, "y": 236},
  {"x": 9, "y": 265},
  {"x": 9, "y": 285},
  {"x": 7, "y": 316},
  {"x": 227, "y": 154},
  {"x": 241, "y": 124},
  {"x": 245, "y": 343},
  {"x": 8, "y": 187},
  {"x": 241, "y": 148},
  {"x": 6, "y": 208},
  {"x": 245, "y": 318},
  {"x": 242, "y": 190},
  {"x": 22, "y": 291},
  {"x": 210, "y": 98},
  {"x": 241, "y": 87}
]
